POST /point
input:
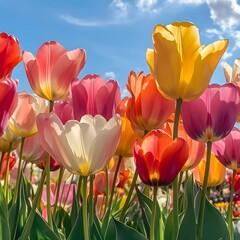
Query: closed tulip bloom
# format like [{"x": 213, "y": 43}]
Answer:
[
  {"x": 9, "y": 54},
  {"x": 52, "y": 71},
  {"x": 83, "y": 147},
  {"x": 11, "y": 161},
  {"x": 33, "y": 151},
  {"x": 54, "y": 165},
  {"x": 64, "y": 110},
  {"x": 92, "y": 95},
  {"x": 182, "y": 66},
  {"x": 212, "y": 116},
  {"x": 23, "y": 120},
  {"x": 9, "y": 138},
  {"x": 127, "y": 138},
  {"x": 159, "y": 158},
  {"x": 8, "y": 101},
  {"x": 216, "y": 172},
  {"x": 227, "y": 150},
  {"x": 147, "y": 109},
  {"x": 232, "y": 75}
]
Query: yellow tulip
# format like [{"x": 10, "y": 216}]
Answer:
[
  {"x": 181, "y": 66},
  {"x": 216, "y": 172}
]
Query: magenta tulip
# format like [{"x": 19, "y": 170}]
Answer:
[{"x": 212, "y": 116}]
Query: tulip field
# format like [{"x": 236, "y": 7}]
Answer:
[{"x": 80, "y": 162}]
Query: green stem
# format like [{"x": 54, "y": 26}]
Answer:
[
  {"x": 58, "y": 188},
  {"x": 79, "y": 192},
  {"x": 125, "y": 207},
  {"x": 107, "y": 188},
  {"x": 175, "y": 182},
  {"x": 5, "y": 186},
  {"x": 84, "y": 208},
  {"x": 230, "y": 213},
  {"x": 114, "y": 182},
  {"x": 48, "y": 189},
  {"x": 91, "y": 205},
  {"x": 180, "y": 181},
  {"x": 2, "y": 156},
  {"x": 155, "y": 189},
  {"x": 18, "y": 172},
  {"x": 204, "y": 190},
  {"x": 28, "y": 226}
]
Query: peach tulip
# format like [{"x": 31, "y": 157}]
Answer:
[
  {"x": 182, "y": 66},
  {"x": 52, "y": 71},
  {"x": 23, "y": 120},
  {"x": 9, "y": 54},
  {"x": 33, "y": 151},
  {"x": 147, "y": 109},
  {"x": 92, "y": 95},
  {"x": 84, "y": 147},
  {"x": 159, "y": 158}
]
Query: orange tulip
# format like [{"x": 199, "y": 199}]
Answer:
[
  {"x": 147, "y": 109},
  {"x": 127, "y": 137}
]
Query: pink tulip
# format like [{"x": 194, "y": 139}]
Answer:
[
  {"x": 64, "y": 110},
  {"x": 8, "y": 101},
  {"x": 52, "y": 71},
  {"x": 227, "y": 150},
  {"x": 83, "y": 147},
  {"x": 212, "y": 116},
  {"x": 9, "y": 54},
  {"x": 33, "y": 151},
  {"x": 92, "y": 95},
  {"x": 23, "y": 119}
]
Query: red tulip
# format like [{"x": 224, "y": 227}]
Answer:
[{"x": 159, "y": 158}]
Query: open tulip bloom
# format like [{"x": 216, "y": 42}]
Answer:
[{"x": 84, "y": 147}]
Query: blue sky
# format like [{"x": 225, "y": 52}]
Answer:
[{"x": 116, "y": 33}]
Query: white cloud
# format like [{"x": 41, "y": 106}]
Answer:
[
  {"x": 89, "y": 23},
  {"x": 225, "y": 13},
  {"x": 125, "y": 93},
  {"x": 195, "y": 2},
  {"x": 110, "y": 75},
  {"x": 148, "y": 5}
]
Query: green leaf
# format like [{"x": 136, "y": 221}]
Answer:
[
  {"x": 214, "y": 226},
  {"x": 41, "y": 230},
  {"x": 146, "y": 208},
  {"x": 188, "y": 227},
  {"x": 125, "y": 232},
  {"x": 77, "y": 230},
  {"x": 236, "y": 229},
  {"x": 4, "y": 223}
]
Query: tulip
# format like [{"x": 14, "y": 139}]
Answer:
[
  {"x": 159, "y": 158},
  {"x": 216, "y": 172},
  {"x": 236, "y": 182},
  {"x": 64, "y": 110},
  {"x": 23, "y": 119},
  {"x": 9, "y": 54},
  {"x": 33, "y": 151},
  {"x": 54, "y": 165},
  {"x": 232, "y": 75},
  {"x": 7, "y": 160},
  {"x": 52, "y": 71},
  {"x": 9, "y": 140},
  {"x": 122, "y": 107},
  {"x": 181, "y": 66},
  {"x": 84, "y": 147},
  {"x": 219, "y": 110},
  {"x": 127, "y": 138},
  {"x": 8, "y": 101},
  {"x": 145, "y": 111},
  {"x": 92, "y": 95}
]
